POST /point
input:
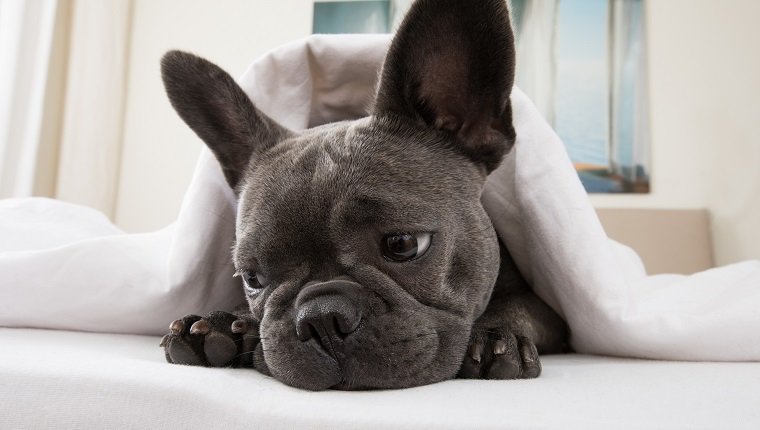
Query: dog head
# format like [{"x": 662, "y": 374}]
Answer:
[{"x": 364, "y": 249}]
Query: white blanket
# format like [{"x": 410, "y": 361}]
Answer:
[{"x": 63, "y": 266}]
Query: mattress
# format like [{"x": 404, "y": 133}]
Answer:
[{"x": 84, "y": 380}]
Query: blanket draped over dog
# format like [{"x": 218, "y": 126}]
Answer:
[{"x": 65, "y": 266}]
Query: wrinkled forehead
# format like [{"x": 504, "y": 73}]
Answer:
[{"x": 349, "y": 176}]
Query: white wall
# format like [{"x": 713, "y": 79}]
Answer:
[
  {"x": 159, "y": 150},
  {"x": 704, "y": 72}
]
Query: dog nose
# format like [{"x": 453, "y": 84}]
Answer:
[{"x": 327, "y": 318}]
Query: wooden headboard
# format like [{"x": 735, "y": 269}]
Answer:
[{"x": 668, "y": 241}]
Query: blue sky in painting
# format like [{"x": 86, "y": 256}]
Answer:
[
  {"x": 582, "y": 80},
  {"x": 581, "y": 22}
]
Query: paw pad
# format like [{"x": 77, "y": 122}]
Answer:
[{"x": 219, "y": 339}]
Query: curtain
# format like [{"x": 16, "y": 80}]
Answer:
[
  {"x": 629, "y": 129},
  {"x": 62, "y": 99},
  {"x": 537, "y": 52},
  {"x": 90, "y": 146},
  {"x": 399, "y": 8},
  {"x": 27, "y": 30}
]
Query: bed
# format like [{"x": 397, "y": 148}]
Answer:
[
  {"x": 77, "y": 379},
  {"x": 67, "y": 379},
  {"x": 64, "y": 379}
]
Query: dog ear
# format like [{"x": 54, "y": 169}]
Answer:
[
  {"x": 219, "y": 111},
  {"x": 451, "y": 67}
]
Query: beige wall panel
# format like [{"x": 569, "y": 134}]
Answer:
[{"x": 668, "y": 241}]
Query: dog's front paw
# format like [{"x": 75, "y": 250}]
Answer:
[
  {"x": 220, "y": 339},
  {"x": 500, "y": 354}
]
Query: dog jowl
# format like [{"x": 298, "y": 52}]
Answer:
[{"x": 366, "y": 256}]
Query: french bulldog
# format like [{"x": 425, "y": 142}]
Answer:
[{"x": 366, "y": 256}]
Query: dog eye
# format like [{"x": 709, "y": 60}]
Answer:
[
  {"x": 254, "y": 282},
  {"x": 405, "y": 246}
]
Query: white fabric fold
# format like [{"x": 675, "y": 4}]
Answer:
[{"x": 63, "y": 266}]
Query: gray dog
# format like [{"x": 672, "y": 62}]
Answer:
[{"x": 367, "y": 258}]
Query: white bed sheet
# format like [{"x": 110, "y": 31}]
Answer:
[{"x": 84, "y": 380}]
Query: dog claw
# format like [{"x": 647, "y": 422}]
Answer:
[
  {"x": 176, "y": 326},
  {"x": 239, "y": 326},
  {"x": 476, "y": 351},
  {"x": 200, "y": 327},
  {"x": 499, "y": 347},
  {"x": 164, "y": 341}
]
